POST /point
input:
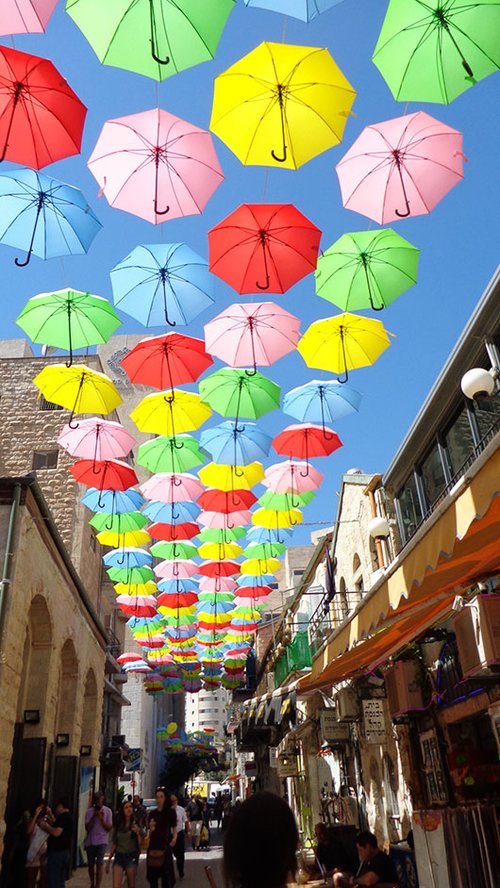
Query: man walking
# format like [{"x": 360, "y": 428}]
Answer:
[
  {"x": 59, "y": 826},
  {"x": 180, "y": 845},
  {"x": 195, "y": 820},
  {"x": 98, "y": 823}
]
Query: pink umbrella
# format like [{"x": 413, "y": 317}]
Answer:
[
  {"x": 250, "y": 333},
  {"x": 292, "y": 477},
  {"x": 176, "y": 570},
  {"x": 401, "y": 167},
  {"x": 217, "y": 584},
  {"x": 25, "y": 16},
  {"x": 220, "y": 521},
  {"x": 97, "y": 439},
  {"x": 170, "y": 487},
  {"x": 155, "y": 165}
]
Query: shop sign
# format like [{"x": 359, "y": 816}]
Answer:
[
  {"x": 273, "y": 756},
  {"x": 133, "y": 760},
  {"x": 251, "y": 769},
  {"x": 374, "y": 719},
  {"x": 332, "y": 730},
  {"x": 288, "y": 766}
]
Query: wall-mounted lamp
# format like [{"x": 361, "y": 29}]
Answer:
[
  {"x": 378, "y": 528},
  {"x": 62, "y": 740},
  {"x": 85, "y": 750},
  {"x": 478, "y": 383},
  {"x": 31, "y": 716}
]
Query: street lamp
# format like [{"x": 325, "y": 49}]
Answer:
[{"x": 478, "y": 383}]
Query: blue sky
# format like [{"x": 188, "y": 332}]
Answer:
[{"x": 458, "y": 241}]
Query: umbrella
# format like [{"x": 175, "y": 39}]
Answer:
[
  {"x": 107, "y": 474},
  {"x": 343, "y": 343},
  {"x": 231, "y": 477},
  {"x": 257, "y": 567},
  {"x": 171, "y": 454},
  {"x": 281, "y": 105},
  {"x": 433, "y": 52},
  {"x": 367, "y": 269},
  {"x": 119, "y": 523},
  {"x": 233, "y": 392},
  {"x": 177, "y": 586},
  {"x": 166, "y": 361},
  {"x": 44, "y": 216},
  {"x": 221, "y": 521},
  {"x": 156, "y": 39},
  {"x": 77, "y": 388},
  {"x": 171, "y": 551},
  {"x": 401, "y": 167},
  {"x": 41, "y": 118},
  {"x": 130, "y": 575},
  {"x": 306, "y": 10},
  {"x": 114, "y": 503},
  {"x": 266, "y": 550},
  {"x": 254, "y": 592},
  {"x": 171, "y": 570},
  {"x": 25, "y": 16},
  {"x": 172, "y": 532},
  {"x": 170, "y": 412},
  {"x": 163, "y": 284},
  {"x": 220, "y": 585},
  {"x": 264, "y": 247},
  {"x": 271, "y": 535},
  {"x": 292, "y": 477},
  {"x": 213, "y": 500},
  {"x": 171, "y": 513},
  {"x": 155, "y": 165},
  {"x": 233, "y": 443},
  {"x": 322, "y": 401},
  {"x": 248, "y": 582},
  {"x": 214, "y": 535},
  {"x": 122, "y": 540},
  {"x": 219, "y": 551},
  {"x": 305, "y": 441},
  {"x": 283, "y": 501},
  {"x": 167, "y": 487},
  {"x": 275, "y": 519},
  {"x": 219, "y": 568},
  {"x": 127, "y": 558},
  {"x": 247, "y": 334},
  {"x": 97, "y": 439}
]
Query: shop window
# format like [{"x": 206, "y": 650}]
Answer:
[
  {"x": 45, "y": 459},
  {"x": 433, "y": 477},
  {"x": 487, "y": 413},
  {"x": 459, "y": 441},
  {"x": 409, "y": 505}
]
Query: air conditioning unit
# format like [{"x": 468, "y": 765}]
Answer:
[
  {"x": 404, "y": 693},
  {"x": 347, "y": 705},
  {"x": 477, "y": 629}
]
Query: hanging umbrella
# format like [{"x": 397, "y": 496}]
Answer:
[
  {"x": 322, "y": 401},
  {"x": 177, "y": 586},
  {"x": 271, "y": 535},
  {"x": 25, "y": 16},
  {"x": 248, "y": 582},
  {"x": 156, "y": 38},
  {"x": 173, "y": 514},
  {"x": 233, "y": 443},
  {"x": 112, "y": 503},
  {"x": 342, "y": 343},
  {"x": 257, "y": 567},
  {"x": 213, "y": 500},
  {"x": 231, "y": 477},
  {"x": 172, "y": 532},
  {"x": 77, "y": 388},
  {"x": 233, "y": 392},
  {"x": 107, "y": 474},
  {"x": 176, "y": 600},
  {"x": 127, "y": 522},
  {"x": 292, "y": 477},
  {"x": 167, "y": 487},
  {"x": 162, "y": 284},
  {"x": 274, "y": 518},
  {"x": 305, "y": 441},
  {"x": 227, "y": 535},
  {"x": 142, "y": 607},
  {"x": 366, "y": 269},
  {"x": 220, "y": 585},
  {"x": 166, "y": 361},
  {"x": 401, "y": 167},
  {"x": 130, "y": 575},
  {"x": 266, "y": 550},
  {"x": 44, "y": 216},
  {"x": 170, "y": 412},
  {"x": 255, "y": 592},
  {"x": 433, "y": 52},
  {"x": 171, "y": 551},
  {"x": 306, "y": 10},
  {"x": 247, "y": 334},
  {"x": 137, "y": 589},
  {"x": 120, "y": 540},
  {"x": 219, "y": 551},
  {"x": 263, "y": 247},
  {"x": 155, "y": 165},
  {"x": 41, "y": 118},
  {"x": 68, "y": 319},
  {"x": 219, "y": 520},
  {"x": 283, "y": 501},
  {"x": 281, "y": 105},
  {"x": 96, "y": 439},
  {"x": 219, "y": 568},
  {"x": 171, "y": 570},
  {"x": 171, "y": 454}
]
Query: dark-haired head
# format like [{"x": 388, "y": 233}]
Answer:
[
  {"x": 366, "y": 838},
  {"x": 62, "y": 802},
  {"x": 261, "y": 843},
  {"x": 125, "y": 816}
]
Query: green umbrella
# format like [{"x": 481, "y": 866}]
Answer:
[
  {"x": 285, "y": 501},
  {"x": 127, "y": 521},
  {"x": 68, "y": 319},
  {"x": 223, "y": 535},
  {"x": 171, "y": 551},
  {"x": 178, "y": 453},
  {"x": 233, "y": 392},
  {"x": 433, "y": 50},
  {"x": 156, "y": 38},
  {"x": 265, "y": 550},
  {"x": 366, "y": 269},
  {"x": 130, "y": 575}
]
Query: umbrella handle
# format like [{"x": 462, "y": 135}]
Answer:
[
  {"x": 263, "y": 241},
  {"x": 161, "y": 213},
  {"x": 283, "y": 134},
  {"x": 407, "y": 212},
  {"x": 15, "y": 100},
  {"x": 306, "y": 473},
  {"x": 401, "y": 216},
  {"x": 154, "y": 52},
  {"x": 41, "y": 201},
  {"x": 342, "y": 343}
]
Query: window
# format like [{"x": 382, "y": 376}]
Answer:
[
  {"x": 487, "y": 413},
  {"x": 459, "y": 441},
  {"x": 45, "y": 459},
  {"x": 47, "y": 405},
  {"x": 409, "y": 504},
  {"x": 433, "y": 477}
]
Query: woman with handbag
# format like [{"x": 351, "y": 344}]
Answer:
[
  {"x": 162, "y": 826},
  {"x": 125, "y": 838}
]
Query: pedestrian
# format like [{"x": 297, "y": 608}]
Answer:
[
  {"x": 36, "y": 857},
  {"x": 204, "y": 837},
  {"x": 182, "y": 827},
  {"x": 261, "y": 843},
  {"x": 139, "y": 811},
  {"x": 195, "y": 819},
  {"x": 375, "y": 867},
  {"x": 98, "y": 823},
  {"x": 125, "y": 846},
  {"x": 59, "y": 826},
  {"x": 330, "y": 853},
  {"x": 218, "y": 809},
  {"x": 162, "y": 826}
]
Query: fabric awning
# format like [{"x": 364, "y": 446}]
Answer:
[{"x": 460, "y": 548}]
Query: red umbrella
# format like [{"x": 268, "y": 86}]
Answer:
[
  {"x": 305, "y": 441},
  {"x": 213, "y": 500},
  {"x": 107, "y": 474},
  {"x": 166, "y": 361},
  {"x": 219, "y": 568},
  {"x": 41, "y": 118},
  {"x": 264, "y": 247},
  {"x": 170, "y": 533},
  {"x": 137, "y": 607},
  {"x": 254, "y": 591},
  {"x": 177, "y": 599}
]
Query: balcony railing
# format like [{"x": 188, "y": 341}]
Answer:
[
  {"x": 329, "y": 615},
  {"x": 297, "y": 656},
  {"x": 113, "y": 647}
]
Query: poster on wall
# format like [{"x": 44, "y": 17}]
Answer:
[{"x": 87, "y": 777}]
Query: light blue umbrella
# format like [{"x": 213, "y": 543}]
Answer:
[
  {"x": 235, "y": 443},
  {"x": 171, "y": 513},
  {"x": 44, "y": 216},
  {"x": 128, "y": 556},
  {"x": 247, "y": 582},
  {"x": 163, "y": 283},
  {"x": 265, "y": 535},
  {"x": 321, "y": 401},
  {"x": 306, "y": 10},
  {"x": 215, "y": 607},
  {"x": 177, "y": 586},
  {"x": 113, "y": 502}
]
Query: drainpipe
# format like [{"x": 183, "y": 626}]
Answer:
[
  {"x": 378, "y": 543},
  {"x": 7, "y": 564}
]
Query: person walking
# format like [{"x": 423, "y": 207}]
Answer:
[
  {"x": 125, "y": 846},
  {"x": 218, "y": 809},
  {"x": 162, "y": 826},
  {"x": 98, "y": 824},
  {"x": 180, "y": 844},
  {"x": 59, "y": 826},
  {"x": 139, "y": 811},
  {"x": 195, "y": 815},
  {"x": 36, "y": 857}
]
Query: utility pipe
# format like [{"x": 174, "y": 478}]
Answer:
[{"x": 7, "y": 563}]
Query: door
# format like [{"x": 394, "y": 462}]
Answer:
[
  {"x": 25, "y": 789},
  {"x": 65, "y": 780}
]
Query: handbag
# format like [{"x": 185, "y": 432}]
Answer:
[
  {"x": 144, "y": 842},
  {"x": 155, "y": 858}
]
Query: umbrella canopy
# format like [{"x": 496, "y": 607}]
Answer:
[
  {"x": 262, "y": 535},
  {"x": 25, "y": 16},
  {"x": 283, "y": 501},
  {"x": 171, "y": 454},
  {"x": 219, "y": 585},
  {"x": 163, "y": 284},
  {"x": 170, "y": 412},
  {"x": 306, "y": 10},
  {"x": 273, "y": 518},
  {"x": 254, "y": 592},
  {"x": 156, "y": 39},
  {"x": 257, "y": 567},
  {"x": 248, "y": 582},
  {"x": 44, "y": 216},
  {"x": 108, "y": 474},
  {"x": 247, "y": 334},
  {"x": 292, "y": 477},
  {"x": 343, "y": 343},
  {"x": 219, "y": 551},
  {"x": 233, "y": 392},
  {"x": 177, "y": 586},
  {"x": 173, "y": 514},
  {"x": 433, "y": 52},
  {"x": 171, "y": 570},
  {"x": 219, "y": 520},
  {"x": 234, "y": 443},
  {"x": 155, "y": 165},
  {"x": 41, "y": 118},
  {"x": 167, "y": 487},
  {"x": 137, "y": 589},
  {"x": 231, "y": 477},
  {"x": 213, "y": 500},
  {"x": 219, "y": 568},
  {"x": 305, "y": 441},
  {"x": 130, "y": 575},
  {"x": 77, "y": 388},
  {"x": 172, "y": 532},
  {"x": 112, "y": 503},
  {"x": 263, "y": 247},
  {"x": 166, "y": 361},
  {"x": 134, "y": 538},
  {"x": 128, "y": 522},
  {"x": 97, "y": 439},
  {"x": 171, "y": 551},
  {"x": 266, "y": 550},
  {"x": 367, "y": 269},
  {"x": 401, "y": 167},
  {"x": 321, "y": 401},
  {"x": 281, "y": 105},
  {"x": 127, "y": 558},
  {"x": 214, "y": 535}
]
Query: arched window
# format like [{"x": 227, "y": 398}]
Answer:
[
  {"x": 391, "y": 794},
  {"x": 68, "y": 689},
  {"x": 356, "y": 563},
  {"x": 37, "y": 653},
  {"x": 90, "y": 721}
]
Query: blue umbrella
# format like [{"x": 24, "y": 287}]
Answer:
[
  {"x": 306, "y": 10},
  {"x": 44, "y": 216},
  {"x": 322, "y": 401},
  {"x": 171, "y": 513},
  {"x": 215, "y": 607},
  {"x": 265, "y": 535},
  {"x": 127, "y": 557},
  {"x": 235, "y": 443},
  {"x": 246, "y": 582},
  {"x": 113, "y": 502},
  {"x": 163, "y": 283},
  {"x": 179, "y": 585}
]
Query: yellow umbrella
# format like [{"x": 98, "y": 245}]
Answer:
[
  {"x": 272, "y": 519},
  {"x": 170, "y": 413},
  {"x": 343, "y": 343},
  {"x": 120, "y": 540},
  {"x": 77, "y": 388},
  {"x": 257, "y": 567},
  {"x": 137, "y": 589},
  {"x": 281, "y": 105},
  {"x": 228, "y": 478},
  {"x": 219, "y": 551}
]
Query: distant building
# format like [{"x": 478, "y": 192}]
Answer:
[{"x": 207, "y": 709}]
